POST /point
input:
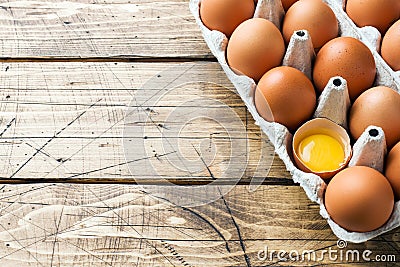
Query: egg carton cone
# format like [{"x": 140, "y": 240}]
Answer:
[
  {"x": 301, "y": 53},
  {"x": 271, "y": 10},
  {"x": 370, "y": 149},
  {"x": 332, "y": 104}
]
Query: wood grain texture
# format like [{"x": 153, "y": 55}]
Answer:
[
  {"x": 134, "y": 29},
  {"x": 117, "y": 225},
  {"x": 65, "y": 122},
  {"x": 84, "y": 81}
]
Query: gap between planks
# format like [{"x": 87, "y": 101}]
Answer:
[
  {"x": 149, "y": 181},
  {"x": 132, "y": 59}
]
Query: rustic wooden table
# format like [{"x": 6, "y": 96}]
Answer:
[{"x": 71, "y": 73}]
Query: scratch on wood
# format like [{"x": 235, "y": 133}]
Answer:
[
  {"x": 41, "y": 151},
  {"x": 7, "y": 127},
  {"x": 46, "y": 236},
  {"x": 205, "y": 164},
  {"x": 123, "y": 220},
  {"x": 175, "y": 253},
  {"x": 21, "y": 248},
  {"x": 242, "y": 245},
  {"x": 25, "y": 192},
  {"x": 55, "y": 236},
  {"x": 119, "y": 164},
  {"x": 52, "y": 138},
  {"x": 197, "y": 215}
]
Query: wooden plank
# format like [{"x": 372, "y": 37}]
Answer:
[
  {"x": 117, "y": 225},
  {"x": 66, "y": 121},
  {"x": 123, "y": 29}
]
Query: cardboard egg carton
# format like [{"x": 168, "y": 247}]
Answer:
[{"x": 333, "y": 103}]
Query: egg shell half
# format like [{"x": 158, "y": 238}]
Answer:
[{"x": 322, "y": 126}]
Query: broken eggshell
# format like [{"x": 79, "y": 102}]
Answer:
[{"x": 326, "y": 127}]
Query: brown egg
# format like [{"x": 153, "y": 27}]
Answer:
[
  {"x": 359, "y": 199},
  {"x": 379, "y": 106},
  {"x": 398, "y": 7},
  {"x": 287, "y": 4},
  {"x": 392, "y": 170},
  {"x": 390, "y": 49},
  {"x": 378, "y": 13},
  {"x": 349, "y": 58},
  {"x": 225, "y": 15},
  {"x": 314, "y": 16},
  {"x": 288, "y": 94},
  {"x": 255, "y": 47}
]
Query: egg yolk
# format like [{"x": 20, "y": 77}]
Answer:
[{"x": 320, "y": 153}]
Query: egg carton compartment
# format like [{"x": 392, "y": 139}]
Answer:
[{"x": 333, "y": 103}]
